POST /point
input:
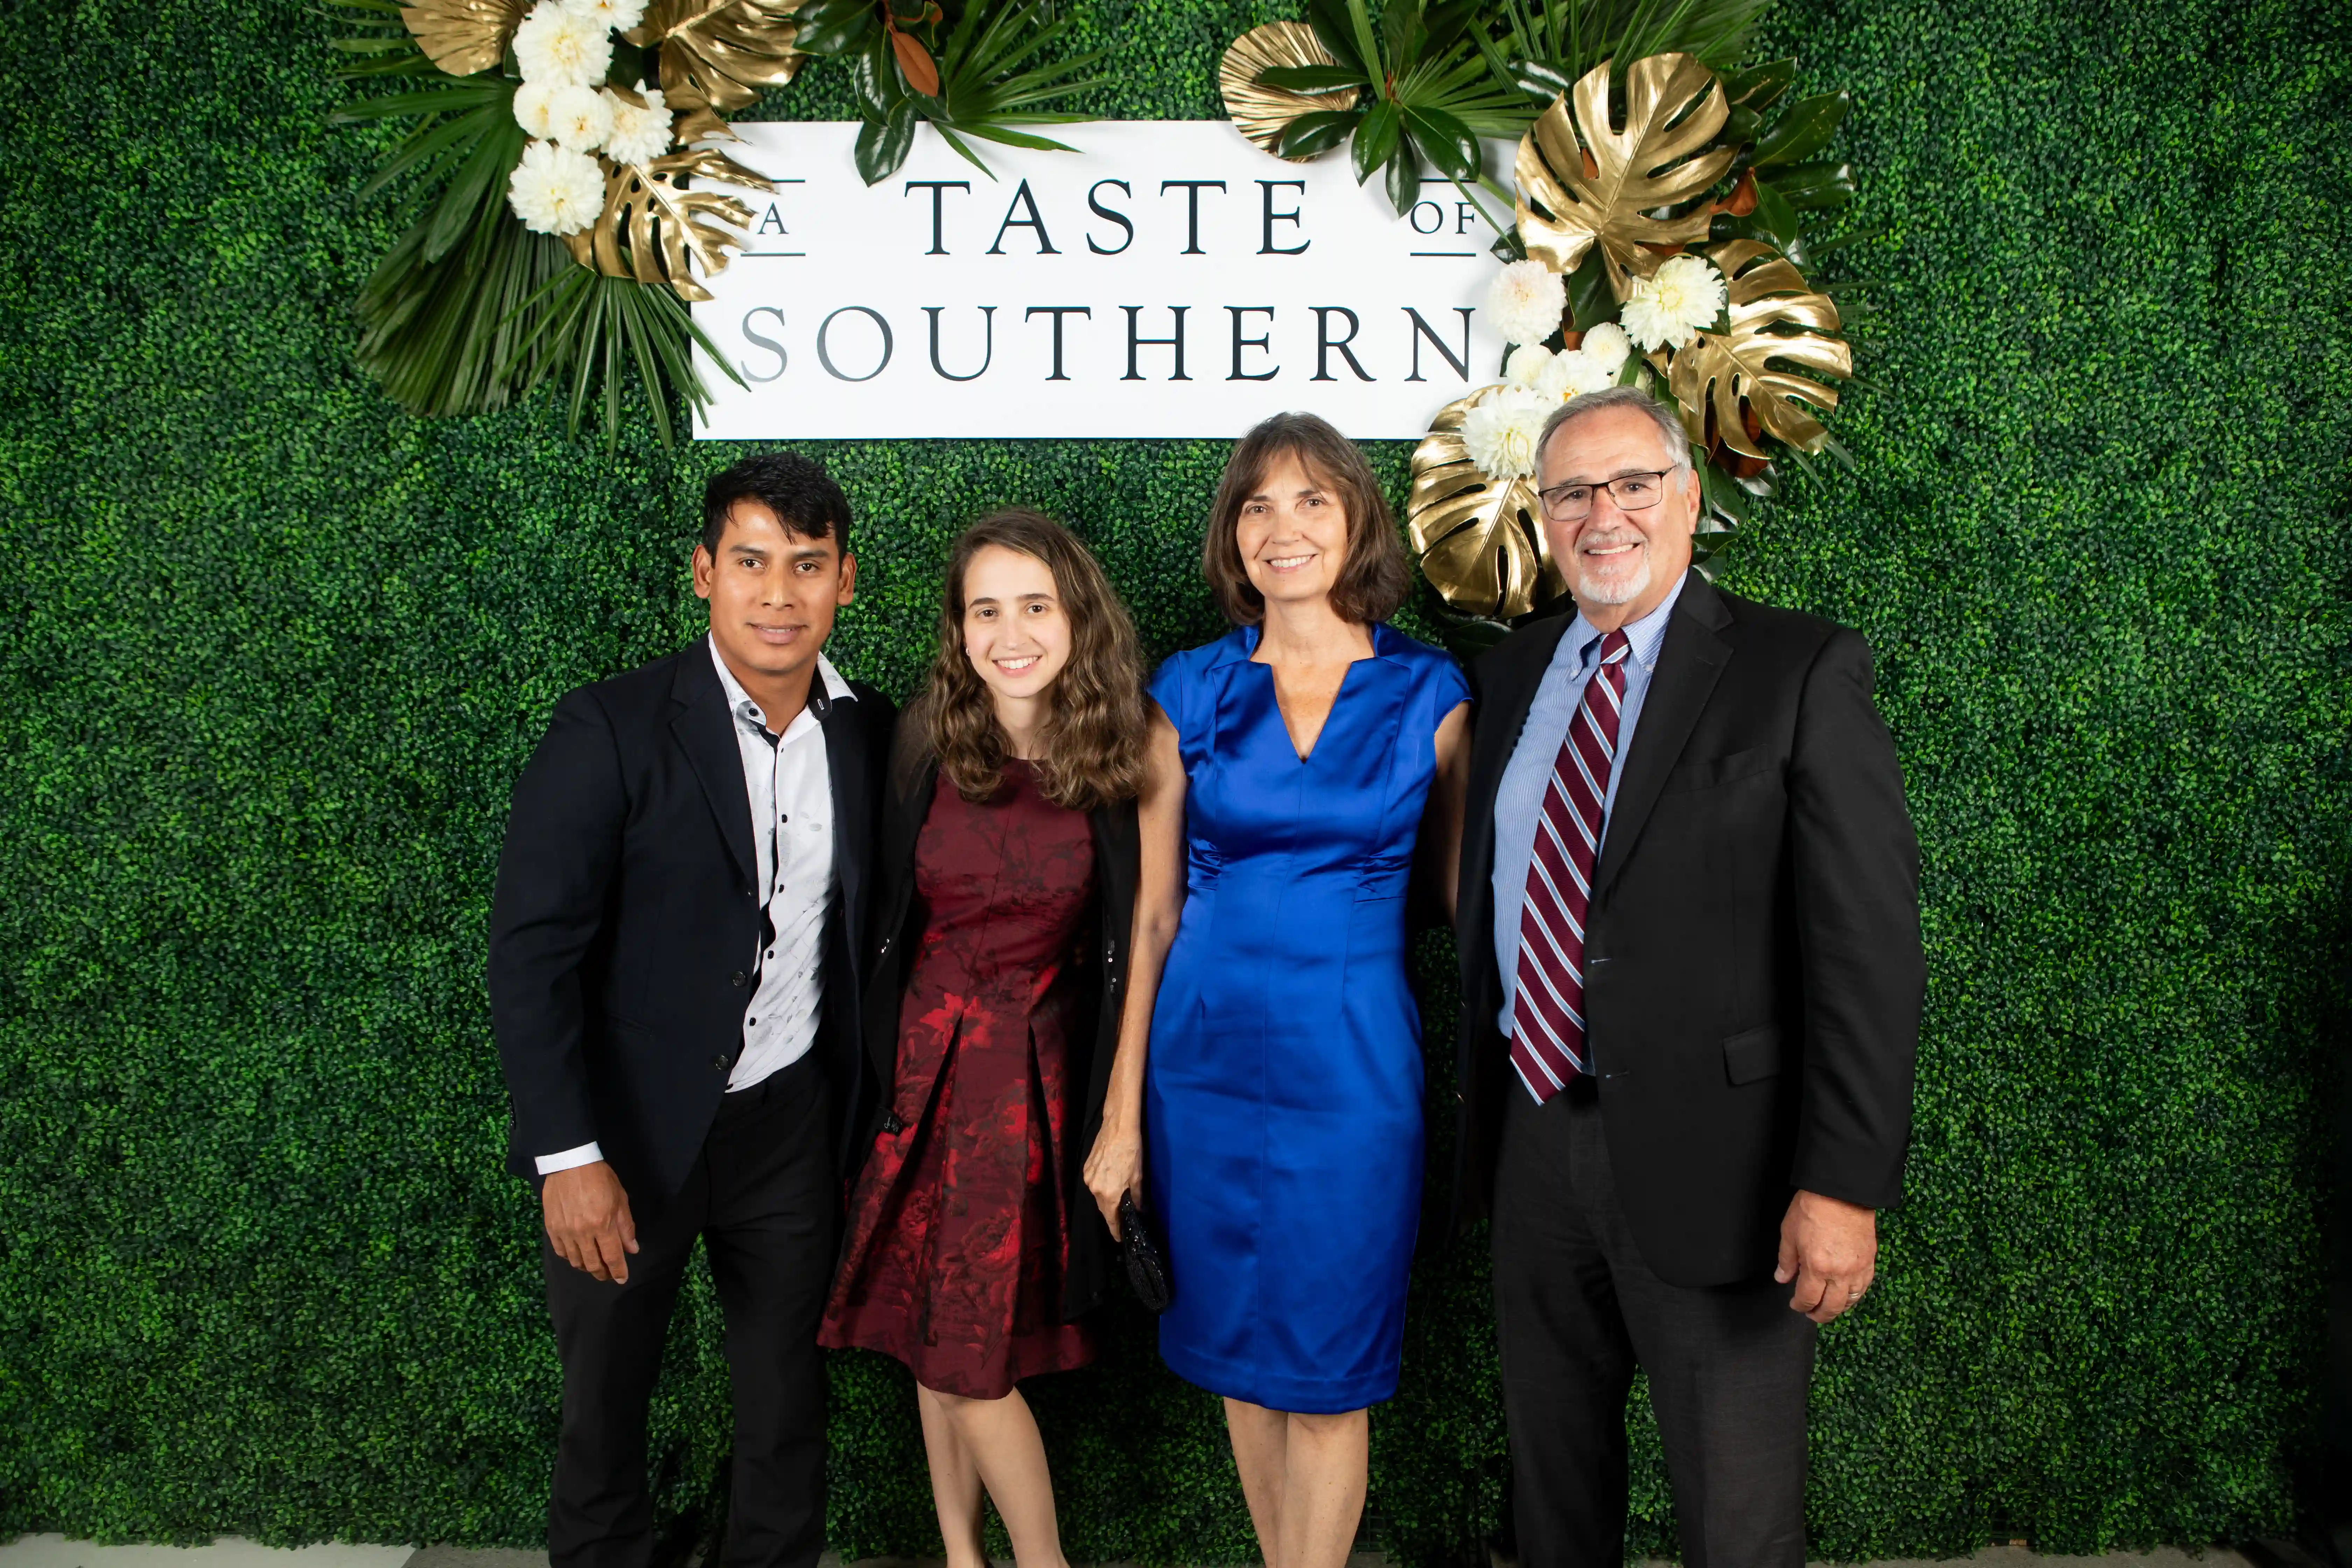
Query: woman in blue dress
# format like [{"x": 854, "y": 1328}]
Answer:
[{"x": 1268, "y": 1074}]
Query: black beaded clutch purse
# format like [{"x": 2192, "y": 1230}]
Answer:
[{"x": 1147, "y": 1260}]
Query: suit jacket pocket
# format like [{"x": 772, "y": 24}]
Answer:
[
  {"x": 1710, "y": 772},
  {"x": 1752, "y": 1054}
]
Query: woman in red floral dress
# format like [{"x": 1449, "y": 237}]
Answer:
[{"x": 1009, "y": 867}]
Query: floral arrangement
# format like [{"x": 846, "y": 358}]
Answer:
[
  {"x": 558, "y": 230},
  {"x": 1660, "y": 238}
]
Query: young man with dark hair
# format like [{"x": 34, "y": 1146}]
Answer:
[{"x": 674, "y": 982}]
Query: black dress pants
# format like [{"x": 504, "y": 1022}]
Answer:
[
  {"x": 1576, "y": 1309},
  {"x": 760, "y": 1196}
]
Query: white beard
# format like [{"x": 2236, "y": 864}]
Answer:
[{"x": 1595, "y": 591}]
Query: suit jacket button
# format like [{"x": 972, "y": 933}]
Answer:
[
  {"x": 719, "y": 1063},
  {"x": 739, "y": 978}
]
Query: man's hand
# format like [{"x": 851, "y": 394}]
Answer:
[
  {"x": 1830, "y": 1249},
  {"x": 588, "y": 1220}
]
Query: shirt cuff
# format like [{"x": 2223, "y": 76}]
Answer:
[{"x": 586, "y": 1154}]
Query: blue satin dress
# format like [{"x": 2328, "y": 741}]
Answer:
[{"x": 1283, "y": 1102}]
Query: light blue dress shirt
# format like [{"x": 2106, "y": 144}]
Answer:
[{"x": 1518, "y": 801}]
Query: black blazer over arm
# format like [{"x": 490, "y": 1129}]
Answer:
[
  {"x": 1753, "y": 968},
  {"x": 625, "y": 921},
  {"x": 898, "y": 932}
]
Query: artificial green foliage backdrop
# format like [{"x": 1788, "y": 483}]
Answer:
[{"x": 272, "y": 652}]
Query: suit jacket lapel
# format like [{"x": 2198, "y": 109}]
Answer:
[
  {"x": 1509, "y": 690},
  {"x": 848, "y": 765},
  {"x": 1690, "y": 661},
  {"x": 707, "y": 732}
]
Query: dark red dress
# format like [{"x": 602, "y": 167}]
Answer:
[{"x": 958, "y": 1236}]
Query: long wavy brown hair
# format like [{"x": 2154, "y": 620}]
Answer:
[{"x": 1093, "y": 741}]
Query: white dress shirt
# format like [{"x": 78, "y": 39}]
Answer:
[{"x": 790, "y": 784}]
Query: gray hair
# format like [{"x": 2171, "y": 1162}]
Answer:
[{"x": 1669, "y": 423}]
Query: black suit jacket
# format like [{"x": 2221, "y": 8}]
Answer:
[
  {"x": 625, "y": 923},
  {"x": 899, "y": 930},
  {"x": 1753, "y": 974}
]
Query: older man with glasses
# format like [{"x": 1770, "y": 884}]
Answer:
[{"x": 1691, "y": 979}]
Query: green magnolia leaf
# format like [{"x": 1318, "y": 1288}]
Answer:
[
  {"x": 1405, "y": 176},
  {"x": 1804, "y": 130},
  {"x": 1591, "y": 300},
  {"x": 1333, "y": 30},
  {"x": 1775, "y": 217},
  {"x": 1375, "y": 139},
  {"x": 1311, "y": 134},
  {"x": 883, "y": 143},
  {"x": 1810, "y": 187},
  {"x": 1448, "y": 144},
  {"x": 833, "y": 26},
  {"x": 1759, "y": 86},
  {"x": 1310, "y": 78}
]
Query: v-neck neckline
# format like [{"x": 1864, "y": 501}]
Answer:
[{"x": 1275, "y": 690}]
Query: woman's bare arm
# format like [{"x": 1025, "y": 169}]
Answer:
[
  {"x": 1440, "y": 850},
  {"x": 1115, "y": 1166}
]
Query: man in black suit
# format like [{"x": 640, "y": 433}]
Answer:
[
  {"x": 674, "y": 985},
  {"x": 1691, "y": 980}
]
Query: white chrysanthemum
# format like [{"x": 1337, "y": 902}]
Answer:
[
  {"x": 612, "y": 15},
  {"x": 534, "y": 107},
  {"x": 1526, "y": 362},
  {"x": 639, "y": 135},
  {"x": 555, "y": 46},
  {"x": 555, "y": 190},
  {"x": 1572, "y": 374},
  {"x": 1609, "y": 344},
  {"x": 1524, "y": 302},
  {"x": 582, "y": 116},
  {"x": 1500, "y": 433},
  {"x": 1668, "y": 308}
]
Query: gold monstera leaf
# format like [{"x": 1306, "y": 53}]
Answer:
[
  {"x": 463, "y": 37},
  {"x": 1262, "y": 113},
  {"x": 654, "y": 230},
  {"x": 1734, "y": 373},
  {"x": 1583, "y": 181},
  {"x": 1481, "y": 544},
  {"x": 717, "y": 54}
]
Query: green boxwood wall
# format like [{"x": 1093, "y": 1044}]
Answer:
[{"x": 271, "y": 654}]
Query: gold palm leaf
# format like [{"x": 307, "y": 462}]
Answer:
[
  {"x": 719, "y": 53},
  {"x": 463, "y": 37},
  {"x": 654, "y": 230},
  {"x": 1733, "y": 372},
  {"x": 1262, "y": 113},
  {"x": 1674, "y": 110},
  {"x": 1480, "y": 543}
]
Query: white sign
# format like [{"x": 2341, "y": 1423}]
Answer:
[{"x": 1167, "y": 279}]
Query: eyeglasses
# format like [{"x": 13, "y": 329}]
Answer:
[{"x": 1631, "y": 492}]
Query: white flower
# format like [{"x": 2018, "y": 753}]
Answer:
[
  {"x": 1526, "y": 362},
  {"x": 534, "y": 107},
  {"x": 1670, "y": 307},
  {"x": 1572, "y": 374},
  {"x": 612, "y": 15},
  {"x": 1608, "y": 343},
  {"x": 1524, "y": 301},
  {"x": 555, "y": 190},
  {"x": 1500, "y": 433},
  {"x": 555, "y": 46},
  {"x": 583, "y": 118},
  {"x": 639, "y": 135}
]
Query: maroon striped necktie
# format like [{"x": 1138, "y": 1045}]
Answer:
[{"x": 1548, "y": 1006}]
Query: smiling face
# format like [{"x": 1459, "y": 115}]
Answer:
[
  {"x": 1292, "y": 532},
  {"x": 1619, "y": 565},
  {"x": 772, "y": 594},
  {"x": 1015, "y": 630}
]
